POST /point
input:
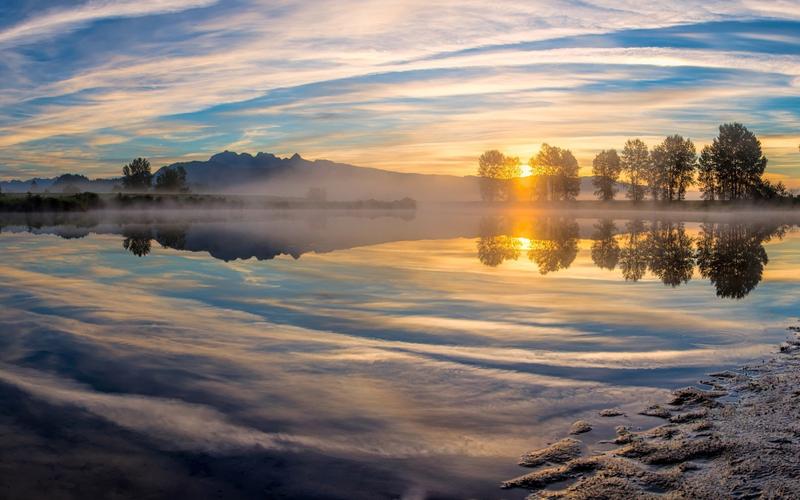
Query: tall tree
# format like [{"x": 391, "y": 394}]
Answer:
[
  {"x": 606, "y": 168},
  {"x": 636, "y": 164},
  {"x": 136, "y": 175},
  {"x": 496, "y": 171},
  {"x": 731, "y": 167},
  {"x": 674, "y": 161},
  {"x": 557, "y": 169}
]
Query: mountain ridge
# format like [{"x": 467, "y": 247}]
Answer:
[{"x": 264, "y": 173}]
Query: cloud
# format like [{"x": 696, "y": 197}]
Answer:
[
  {"x": 369, "y": 82},
  {"x": 55, "y": 22}
]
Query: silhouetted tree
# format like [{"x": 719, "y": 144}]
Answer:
[
  {"x": 605, "y": 248},
  {"x": 172, "y": 179},
  {"x": 674, "y": 161},
  {"x": 634, "y": 256},
  {"x": 555, "y": 244},
  {"x": 496, "y": 171},
  {"x": 136, "y": 175},
  {"x": 636, "y": 164},
  {"x": 559, "y": 169},
  {"x": 671, "y": 253},
  {"x": 730, "y": 168},
  {"x": 766, "y": 190},
  {"x": 606, "y": 168}
]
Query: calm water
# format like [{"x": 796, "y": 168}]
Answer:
[{"x": 262, "y": 355}]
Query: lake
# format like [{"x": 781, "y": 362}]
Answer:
[{"x": 264, "y": 354}]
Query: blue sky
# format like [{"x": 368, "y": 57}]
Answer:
[{"x": 413, "y": 85}]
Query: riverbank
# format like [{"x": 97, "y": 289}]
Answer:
[
  {"x": 739, "y": 437},
  {"x": 84, "y": 202}
]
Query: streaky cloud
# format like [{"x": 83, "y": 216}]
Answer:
[{"x": 56, "y": 22}]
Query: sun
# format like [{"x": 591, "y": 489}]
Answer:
[{"x": 526, "y": 171}]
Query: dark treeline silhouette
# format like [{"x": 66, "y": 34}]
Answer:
[
  {"x": 137, "y": 177},
  {"x": 729, "y": 169},
  {"x": 730, "y": 255}
]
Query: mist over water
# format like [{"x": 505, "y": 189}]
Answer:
[{"x": 380, "y": 354}]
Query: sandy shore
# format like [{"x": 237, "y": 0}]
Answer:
[{"x": 738, "y": 437}]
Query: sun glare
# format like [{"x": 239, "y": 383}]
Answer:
[
  {"x": 526, "y": 170},
  {"x": 524, "y": 243}
]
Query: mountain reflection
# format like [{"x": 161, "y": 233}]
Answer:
[{"x": 730, "y": 255}]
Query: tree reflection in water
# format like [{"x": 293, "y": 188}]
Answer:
[
  {"x": 733, "y": 257},
  {"x": 730, "y": 255},
  {"x": 671, "y": 255},
  {"x": 554, "y": 244},
  {"x": 137, "y": 240},
  {"x": 605, "y": 249},
  {"x": 494, "y": 247},
  {"x": 633, "y": 258}
]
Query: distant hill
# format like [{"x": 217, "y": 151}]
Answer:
[
  {"x": 267, "y": 174},
  {"x": 59, "y": 183}
]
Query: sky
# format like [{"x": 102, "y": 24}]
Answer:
[{"x": 412, "y": 86}]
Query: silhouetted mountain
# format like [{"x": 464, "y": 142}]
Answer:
[
  {"x": 268, "y": 174},
  {"x": 57, "y": 184}
]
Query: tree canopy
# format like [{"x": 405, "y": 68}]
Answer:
[
  {"x": 495, "y": 171},
  {"x": 635, "y": 163},
  {"x": 136, "y": 175},
  {"x": 559, "y": 170},
  {"x": 674, "y": 160},
  {"x": 730, "y": 168},
  {"x": 172, "y": 179},
  {"x": 606, "y": 168}
]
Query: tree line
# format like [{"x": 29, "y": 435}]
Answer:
[
  {"x": 731, "y": 168},
  {"x": 137, "y": 177}
]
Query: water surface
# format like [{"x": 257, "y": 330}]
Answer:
[{"x": 356, "y": 355}]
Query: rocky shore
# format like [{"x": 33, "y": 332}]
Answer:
[{"x": 737, "y": 437}]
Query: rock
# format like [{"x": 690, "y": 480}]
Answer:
[
  {"x": 558, "y": 452},
  {"x": 690, "y": 416},
  {"x": 579, "y": 427},
  {"x": 672, "y": 452},
  {"x": 611, "y": 412},
  {"x": 656, "y": 411},
  {"x": 695, "y": 396},
  {"x": 624, "y": 435}
]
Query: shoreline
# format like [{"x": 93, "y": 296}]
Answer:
[
  {"x": 89, "y": 201},
  {"x": 738, "y": 437}
]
